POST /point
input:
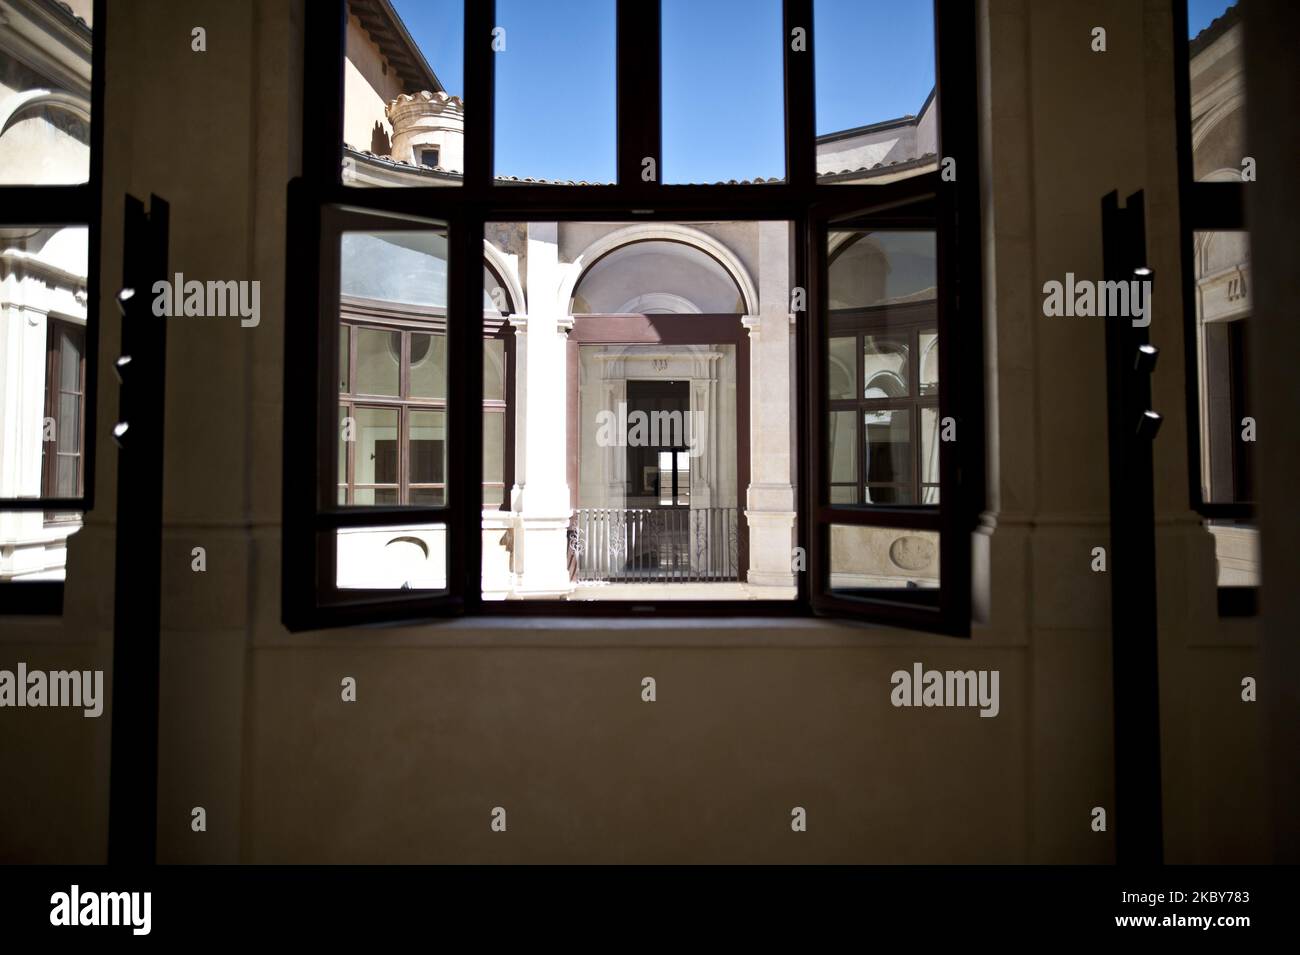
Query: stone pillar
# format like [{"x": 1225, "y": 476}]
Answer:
[
  {"x": 542, "y": 490},
  {"x": 770, "y": 508}
]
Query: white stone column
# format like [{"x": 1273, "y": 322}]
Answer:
[
  {"x": 770, "y": 508},
  {"x": 541, "y": 547}
]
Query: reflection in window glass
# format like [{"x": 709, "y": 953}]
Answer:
[
  {"x": 887, "y": 128},
  {"x": 722, "y": 88},
  {"x": 883, "y": 446},
  {"x": 556, "y": 91},
  {"x": 1228, "y": 466},
  {"x": 1218, "y": 89},
  {"x": 397, "y": 557},
  {"x": 865, "y": 558},
  {"x": 45, "y": 53},
  {"x": 43, "y": 316},
  {"x": 393, "y": 368},
  {"x": 403, "y": 118}
]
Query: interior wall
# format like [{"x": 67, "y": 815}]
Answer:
[{"x": 545, "y": 719}]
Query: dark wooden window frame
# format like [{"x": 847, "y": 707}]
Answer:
[
  {"x": 56, "y": 206},
  {"x": 949, "y": 206},
  {"x": 1203, "y": 207}
]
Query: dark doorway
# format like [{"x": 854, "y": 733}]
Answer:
[{"x": 658, "y": 464}]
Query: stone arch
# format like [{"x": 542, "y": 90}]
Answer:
[{"x": 665, "y": 231}]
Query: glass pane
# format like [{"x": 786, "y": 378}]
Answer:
[
  {"x": 71, "y": 338},
  {"x": 68, "y": 424},
  {"x": 494, "y": 446},
  {"x": 882, "y": 557},
  {"x": 494, "y": 369},
  {"x": 928, "y": 349},
  {"x": 42, "y": 274},
  {"x": 428, "y": 447},
  {"x": 683, "y": 478},
  {"x": 428, "y": 365},
  {"x": 66, "y": 486},
  {"x": 343, "y": 448},
  {"x": 45, "y": 58},
  {"x": 344, "y": 358},
  {"x": 877, "y": 112},
  {"x": 395, "y": 557},
  {"x": 380, "y": 496},
  {"x": 556, "y": 91},
  {"x": 428, "y": 496},
  {"x": 1224, "y": 308},
  {"x": 1218, "y": 89},
  {"x": 843, "y": 439},
  {"x": 378, "y": 361},
  {"x": 885, "y": 366},
  {"x": 723, "y": 90},
  {"x": 930, "y": 455},
  {"x": 889, "y": 457},
  {"x": 375, "y": 452},
  {"x": 842, "y": 371},
  {"x": 403, "y": 117},
  {"x": 404, "y": 267},
  {"x": 872, "y": 269}
]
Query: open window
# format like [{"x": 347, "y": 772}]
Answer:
[
  {"x": 530, "y": 394},
  {"x": 1214, "y": 169},
  {"x": 51, "y": 99}
]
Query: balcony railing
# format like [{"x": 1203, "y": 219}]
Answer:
[{"x": 654, "y": 544}]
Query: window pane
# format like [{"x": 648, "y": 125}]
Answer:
[
  {"x": 45, "y": 93},
  {"x": 428, "y": 447},
  {"x": 494, "y": 369},
  {"x": 1227, "y": 416},
  {"x": 885, "y": 366},
  {"x": 405, "y": 267},
  {"x": 877, "y": 112},
  {"x": 928, "y": 350},
  {"x": 882, "y": 287},
  {"x": 842, "y": 372},
  {"x": 723, "y": 90},
  {"x": 556, "y": 91},
  {"x": 1218, "y": 89},
  {"x": 396, "y": 557},
  {"x": 428, "y": 366},
  {"x": 872, "y": 269},
  {"x": 376, "y": 450},
  {"x": 403, "y": 118},
  {"x": 343, "y": 454},
  {"x": 42, "y": 275},
  {"x": 378, "y": 361},
  {"x": 929, "y": 455},
  {"x": 68, "y": 424},
  {"x": 494, "y": 443},
  {"x": 843, "y": 438},
  {"x": 883, "y": 557},
  {"x": 889, "y": 457}
]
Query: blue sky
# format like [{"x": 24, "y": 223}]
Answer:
[
  {"x": 1201, "y": 13},
  {"x": 722, "y": 79}
]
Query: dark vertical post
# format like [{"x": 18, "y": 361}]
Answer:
[
  {"x": 1132, "y": 555},
  {"x": 800, "y": 105},
  {"x": 480, "y": 95},
  {"x": 133, "y": 785},
  {"x": 640, "y": 115}
]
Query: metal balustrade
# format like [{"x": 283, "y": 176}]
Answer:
[{"x": 655, "y": 544}]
